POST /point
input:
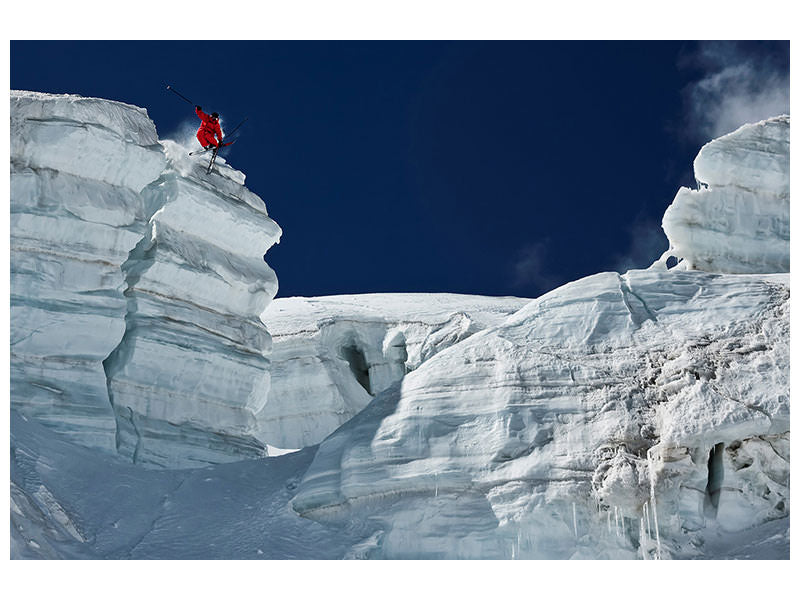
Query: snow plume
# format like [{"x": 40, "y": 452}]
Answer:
[
  {"x": 530, "y": 269},
  {"x": 647, "y": 243},
  {"x": 178, "y": 143},
  {"x": 742, "y": 82},
  {"x": 185, "y": 134}
]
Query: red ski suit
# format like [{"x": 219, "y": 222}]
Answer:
[{"x": 209, "y": 128}]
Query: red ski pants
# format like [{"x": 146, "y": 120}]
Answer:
[{"x": 206, "y": 139}]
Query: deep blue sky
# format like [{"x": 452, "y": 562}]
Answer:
[{"x": 497, "y": 168}]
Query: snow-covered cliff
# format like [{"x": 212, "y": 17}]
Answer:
[{"x": 136, "y": 286}]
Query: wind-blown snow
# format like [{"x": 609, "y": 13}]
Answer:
[{"x": 637, "y": 415}]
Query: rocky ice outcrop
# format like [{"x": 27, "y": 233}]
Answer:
[
  {"x": 738, "y": 219},
  {"x": 136, "y": 286},
  {"x": 332, "y": 355}
]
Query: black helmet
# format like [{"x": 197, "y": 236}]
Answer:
[{"x": 215, "y": 115}]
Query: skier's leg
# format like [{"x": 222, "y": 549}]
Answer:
[{"x": 205, "y": 139}]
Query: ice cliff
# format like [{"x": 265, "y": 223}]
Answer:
[
  {"x": 568, "y": 430},
  {"x": 136, "y": 286}
]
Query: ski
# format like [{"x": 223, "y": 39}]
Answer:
[
  {"x": 204, "y": 150},
  {"x": 212, "y": 161},
  {"x": 232, "y": 131}
]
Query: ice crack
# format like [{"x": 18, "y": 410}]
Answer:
[{"x": 638, "y": 309}]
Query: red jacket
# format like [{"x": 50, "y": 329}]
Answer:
[{"x": 210, "y": 124}]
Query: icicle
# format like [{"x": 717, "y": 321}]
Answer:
[
  {"x": 623, "y": 526},
  {"x": 647, "y": 519},
  {"x": 616, "y": 521},
  {"x": 575, "y": 520},
  {"x": 642, "y": 539},
  {"x": 608, "y": 519},
  {"x": 653, "y": 501}
]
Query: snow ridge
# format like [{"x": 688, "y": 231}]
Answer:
[{"x": 510, "y": 427}]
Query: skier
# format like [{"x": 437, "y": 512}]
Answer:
[{"x": 209, "y": 129}]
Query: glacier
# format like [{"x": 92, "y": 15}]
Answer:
[{"x": 638, "y": 415}]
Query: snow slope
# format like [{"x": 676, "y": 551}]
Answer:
[
  {"x": 69, "y": 501},
  {"x": 136, "y": 286}
]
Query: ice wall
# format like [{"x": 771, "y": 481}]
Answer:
[
  {"x": 738, "y": 219},
  {"x": 332, "y": 355},
  {"x": 594, "y": 409},
  {"x": 136, "y": 286},
  {"x": 76, "y": 213}
]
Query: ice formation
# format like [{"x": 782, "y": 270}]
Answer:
[
  {"x": 332, "y": 355},
  {"x": 738, "y": 219},
  {"x": 611, "y": 389},
  {"x": 136, "y": 286},
  {"x": 639, "y": 415}
]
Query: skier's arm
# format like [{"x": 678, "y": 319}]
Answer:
[
  {"x": 218, "y": 131},
  {"x": 203, "y": 116}
]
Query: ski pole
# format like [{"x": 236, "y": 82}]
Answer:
[
  {"x": 227, "y": 135},
  {"x": 174, "y": 91}
]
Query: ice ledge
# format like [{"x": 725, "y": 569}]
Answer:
[{"x": 126, "y": 120}]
